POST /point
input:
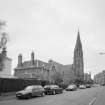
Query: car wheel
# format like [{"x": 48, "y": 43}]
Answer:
[
  {"x": 54, "y": 92},
  {"x": 43, "y": 94},
  {"x": 29, "y": 96},
  {"x": 61, "y": 91},
  {"x": 18, "y": 97}
]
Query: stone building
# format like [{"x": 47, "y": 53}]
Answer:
[
  {"x": 78, "y": 63},
  {"x": 34, "y": 69},
  {"x": 42, "y": 70},
  {"x": 87, "y": 77},
  {"x": 65, "y": 71},
  {"x": 5, "y": 65},
  {"x": 100, "y": 78},
  {"x": 76, "y": 70},
  {"x": 38, "y": 69}
]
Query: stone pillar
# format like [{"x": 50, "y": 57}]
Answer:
[{"x": 20, "y": 60}]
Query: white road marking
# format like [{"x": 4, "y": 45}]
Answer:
[{"x": 92, "y": 101}]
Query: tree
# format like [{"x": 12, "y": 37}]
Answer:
[{"x": 57, "y": 77}]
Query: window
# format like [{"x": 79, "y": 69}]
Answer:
[{"x": 29, "y": 88}]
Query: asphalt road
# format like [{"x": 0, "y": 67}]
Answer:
[{"x": 89, "y": 96}]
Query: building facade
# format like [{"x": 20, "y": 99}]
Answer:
[
  {"x": 38, "y": 69},
  {"x": 34, "y": 69},
  {"x": 87, "y": 77},
  {"x": 100, "y": 78}
]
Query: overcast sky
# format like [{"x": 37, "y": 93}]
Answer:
[{"x": 49, "y": 28}]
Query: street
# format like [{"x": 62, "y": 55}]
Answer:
[{"x": 89, "y": 96}]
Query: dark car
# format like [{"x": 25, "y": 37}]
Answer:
[
  {"x": 52, "y": 89},
  {"x": 30, "y": 91},
  {"x": 88, "y": 86},
  {"x": 71, "y": 88}
]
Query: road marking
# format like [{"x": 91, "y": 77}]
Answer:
[{"x": 92, "y": 101}]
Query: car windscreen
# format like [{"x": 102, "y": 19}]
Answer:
[
  {"x": 29, "y": 88},
  {"x": 71, "y": 86},
  {"x": 47, "y": 86},
  {"x": 51, "y": 86}
]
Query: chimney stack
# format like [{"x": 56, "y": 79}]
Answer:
[
  {"x": 32, "y": 58},
  {"x": 20, "y": 60}
]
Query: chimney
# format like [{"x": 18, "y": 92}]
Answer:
[
  {"x": 32, "y": 58},
  {"x": 20, "y": 60}
]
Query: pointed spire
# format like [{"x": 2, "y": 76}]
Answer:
[
  {"x": 78, "y": 42},
  {"x": 78, "y": 35}
]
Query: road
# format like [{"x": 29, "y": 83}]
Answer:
[{"x": 89, "y": 96}]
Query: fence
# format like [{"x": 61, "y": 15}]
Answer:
[{"x": 13, "y": 84}]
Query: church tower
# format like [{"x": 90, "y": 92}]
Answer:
[{"x": 78, "y": 64}]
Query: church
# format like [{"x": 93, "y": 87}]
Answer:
[
  {"x": 38, "y": 69},
  {"x": 78, "y": 63}
]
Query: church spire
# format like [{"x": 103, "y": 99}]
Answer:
[
  {"x": 78, "y": 42},
  {"x": 78, "y": 64}
]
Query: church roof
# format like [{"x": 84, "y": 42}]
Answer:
[{"x": 62, "y": 68}]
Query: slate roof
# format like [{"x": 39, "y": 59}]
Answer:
[
  {"x": 59, "y": 67},
  {"x": 37, "y": 63}
]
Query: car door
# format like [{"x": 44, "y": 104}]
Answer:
[
  {"x": 35, "y": 91},
  {"x": 59, "y": 89},
  {"x": 41, "y": 90},
  {"x": 56, "y": 89}
]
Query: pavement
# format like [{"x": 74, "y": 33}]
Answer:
[{"x": 7, "y": 96}]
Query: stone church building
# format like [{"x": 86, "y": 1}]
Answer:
[
  {"x": 78, "y": 63},
  {"x": 47, "y": 70}
]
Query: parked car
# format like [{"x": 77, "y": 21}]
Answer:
[
  {"x": 30, "y": 91},
  {"x": 71, "y": 88},
  {"x": 82, "y": 86},
  {"x": 52, "y": 89},
  {"x": 88, "y": 86}
]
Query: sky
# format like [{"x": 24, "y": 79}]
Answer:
[{"x": 49, "y": 28}]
